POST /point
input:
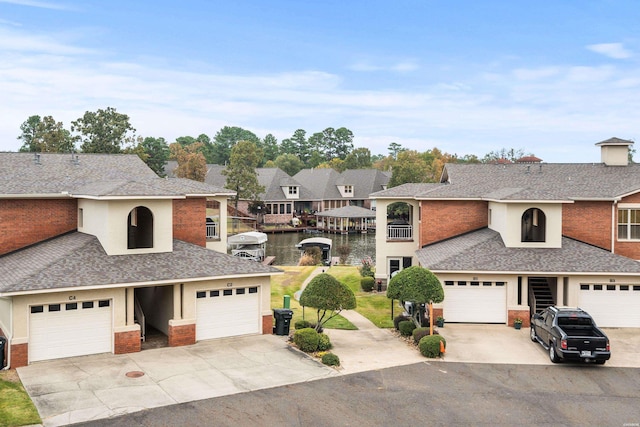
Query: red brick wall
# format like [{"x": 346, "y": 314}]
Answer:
[
  {"x": 588, "y": 222},
  {"x": 447, "y": 218},
  {"x": 522, "y": 314},
  {"x": 25, "y": 222},
  {"x": 19, "y": 355},
  {"x": 189, "y": 223},
  {"x": 126, "y": 342},
  {"x": 267, "y": 324},
  {"x": 182, "y": 335}
]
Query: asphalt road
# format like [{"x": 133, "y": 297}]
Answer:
[{"x": 436, "y": 393}]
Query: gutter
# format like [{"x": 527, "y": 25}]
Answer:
[{"x": 614, "y": 210}]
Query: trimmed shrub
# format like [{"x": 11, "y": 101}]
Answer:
[
  {"x": 419, "y": 333},
  {"x": 406, "y": 328},
  {"x": 324, "y": 343},
  {"x": 306, "y": 339},
  {"x": 367, "y": 283},
  {"x": 301, "y": 324},
  {"x": 331, "y": 359},
  {"x": 430, "y": 345},
  {"x": 343, "y": 252},
  {"x": 398, "y": 319}
]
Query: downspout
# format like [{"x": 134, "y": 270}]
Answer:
[{"x": 613, "y": 225}]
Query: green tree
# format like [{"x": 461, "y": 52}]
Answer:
[
  {"x": 394, "y": 149},
  {"x": 157, "y": 153},
  {"x": 290, "y": 163},
  {"x": 410, "y": 167},
  {"x": 227, "y": 138},
  {"x": 270, "y": 148},
  {"x": 104, "y": 131},
  {"x": 328, "y": 296},
  {"x": 191, "y": 161},
  {"x": 416, "y": 284},
  {"x": 510, "y": 154},
  {"x": 360, "y": 158},
  {"x": 241, "y": 172},
  {"x": 46, "y": 136}
]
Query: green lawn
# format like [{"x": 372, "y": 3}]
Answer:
[
  {"x": 16, "y": 408},
  {"x": 374, "y": 306}
]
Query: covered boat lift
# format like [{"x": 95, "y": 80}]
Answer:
[
  {"x": 348, "y": 219},
  {"x": 250, "y": 245},
  {"x": 321, "y": 242}
]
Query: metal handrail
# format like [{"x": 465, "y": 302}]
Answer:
[{"x": 399, "y": 232}]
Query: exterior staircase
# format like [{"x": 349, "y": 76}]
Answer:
[{"x": 540, "y": 296}]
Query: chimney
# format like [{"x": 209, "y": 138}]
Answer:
[{"x": 615, "y": 151}]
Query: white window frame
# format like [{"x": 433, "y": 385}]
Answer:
[{"x": 628, "y": 225}]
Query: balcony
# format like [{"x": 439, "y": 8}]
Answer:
[
  {"x": 399, "y": 232},
  {"x": 213, "y": 230}
]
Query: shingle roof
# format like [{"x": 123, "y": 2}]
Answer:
[
  {"x": 78, "y": 260},
  {"x": 364, "y": 181},
  {"x": 545, "y": 181},
  {"x": 321, "y": 181},
  {"x": 96, "y": 175},
  {"x": 348, "y": 212},
  {"x": 484, "y": 250}
]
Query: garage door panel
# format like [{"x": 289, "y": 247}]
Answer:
[
  {"x": 612, "y": 306},
  {"x": 475, "y": 304},
  {"x": 69, "y": 333},
  {"x": 228, "y": 315}
]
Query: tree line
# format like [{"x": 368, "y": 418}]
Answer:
[{"x": 108, "y": 131}]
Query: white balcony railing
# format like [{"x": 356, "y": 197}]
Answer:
[
  {"x": 399, "y": 232},
  {"x": 213, "y": 230}
]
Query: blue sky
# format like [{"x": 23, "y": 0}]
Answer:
[{"x": 469, "y": 77}]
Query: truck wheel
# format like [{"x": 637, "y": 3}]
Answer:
[
  {"x": 552, "y": 353},
  {"x": 532, "y": 334}
]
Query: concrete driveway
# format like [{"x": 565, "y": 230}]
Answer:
[{"x": 84, "y": 388}]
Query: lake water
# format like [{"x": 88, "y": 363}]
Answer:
[{"x": 283, "y": 246}]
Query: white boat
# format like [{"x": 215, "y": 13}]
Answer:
[
  {"x": 250, "y": 245},
  {"x": 322, "y": 242}
]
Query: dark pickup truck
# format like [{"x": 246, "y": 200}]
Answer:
[{"x": 570, "y": 334}]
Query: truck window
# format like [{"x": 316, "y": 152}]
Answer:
[{"x": 574, "y": 321}]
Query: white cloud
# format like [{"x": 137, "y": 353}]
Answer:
[
  {"x": 612, "y": 50},
  {"x": 38, "y": 4},
  {"x": 398, "y": 67}
]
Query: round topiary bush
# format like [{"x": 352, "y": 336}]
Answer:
[
  {"x": 419, "y": 333},
  {"x": 301, "y": 324},
  {"x": 306, "y": 339},
  {"x": 406, "y": 328},
  {"x": 324, "y": 343},
  {"x": 331, "y": 359},
  {"x": 398, "y": 319},
  {"x": 367, "y": 283},
  {"x": 430, "y": 345}
]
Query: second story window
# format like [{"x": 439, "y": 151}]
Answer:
[
  {"x": 140, "y": 228},
  {"x": 628, "y": 224},
  {"x": 348, "y": 189},
  {"x": 533, "y": 225},
  {"x": 293, "y": 190}
]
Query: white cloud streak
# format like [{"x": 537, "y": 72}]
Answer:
[{"x": 611, "y": 50}]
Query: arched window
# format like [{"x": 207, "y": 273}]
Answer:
[
  {"x": 533, "y": 225},
  {"x": 140, "y": 228}
]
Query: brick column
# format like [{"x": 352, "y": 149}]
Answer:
[
  {"x": 126, "y": 342},
  {"x": 180, "y": 335},
  {"x": 19, "y": 355}
]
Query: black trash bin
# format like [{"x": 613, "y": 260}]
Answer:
[
  {"x": 283, "y": 320},
  {"x": 3, "y": 344}
]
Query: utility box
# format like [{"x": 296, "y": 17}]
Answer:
[{"x": 283, "y": 320}]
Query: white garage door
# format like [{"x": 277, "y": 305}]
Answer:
[
  {"x": 227, "y": 312},
  {"x": 614, "y": 306},
  {"x": 70, "y": 329},
  {"x": 475, "y": 302}
]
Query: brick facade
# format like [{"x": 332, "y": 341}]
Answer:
[
  {"x": 267, "y": 324},
  {"x": 126, "y": 342},
  {"x": 189, "y": 220},
  {"x": 588, "y": 222},
  {"x": 448, "y": 218},
  {"x": 182, "y": 335},
  {"x": 19, "y": 355},
  {"x": 523, "y": 315},
  {"x": 24, "y": 222}
]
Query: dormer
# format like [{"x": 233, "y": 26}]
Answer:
[
  {"x": 615, "y": 151},
  {"x": 346, "y": 190},
  {"x": 291, "y": 191}
]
